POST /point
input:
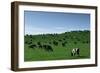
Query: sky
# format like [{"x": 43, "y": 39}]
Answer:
[{"x": 38, "y": 22}]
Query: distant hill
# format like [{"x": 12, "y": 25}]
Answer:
[{"x": 73, "y": 36}]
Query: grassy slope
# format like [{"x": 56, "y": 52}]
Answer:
[{"x": 79, "y": 39}]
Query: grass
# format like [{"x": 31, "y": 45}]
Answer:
[{"x": 75, "y": 39}]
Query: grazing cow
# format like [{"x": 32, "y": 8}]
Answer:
[
  {"x": 26, "y": 42},
  {"x": 38, "y": 43},
  {"x": 40, "y": 46},
  {"x": 32, "y": 46},
  {"x": 47, "y": 48},
  {"x": 55, "y": 43},
  {"x": 60, "y": 40},
  {"x": 75, "y": 51},
  {"x": 29, "y": 43},
  {"x": 64, "y": 39},
  {"x": 63, "y": 44},
  {"x": 50, "y": 43}
]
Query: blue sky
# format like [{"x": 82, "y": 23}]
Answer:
[{"x": 37, "y": 22}]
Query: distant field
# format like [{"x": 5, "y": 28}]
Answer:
[{"x": 56, "y": 46}]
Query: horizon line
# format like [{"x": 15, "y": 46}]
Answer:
[{"x": 56, "y": 32}]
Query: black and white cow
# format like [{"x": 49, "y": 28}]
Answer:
[{"x": 75, "y": 51}]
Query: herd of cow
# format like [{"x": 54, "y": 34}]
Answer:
[
  {"x": 49, "y": 48},
  {"x": 46, "y": 47}
]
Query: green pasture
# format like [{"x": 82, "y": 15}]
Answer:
[{"x": 73, "y": 39}]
